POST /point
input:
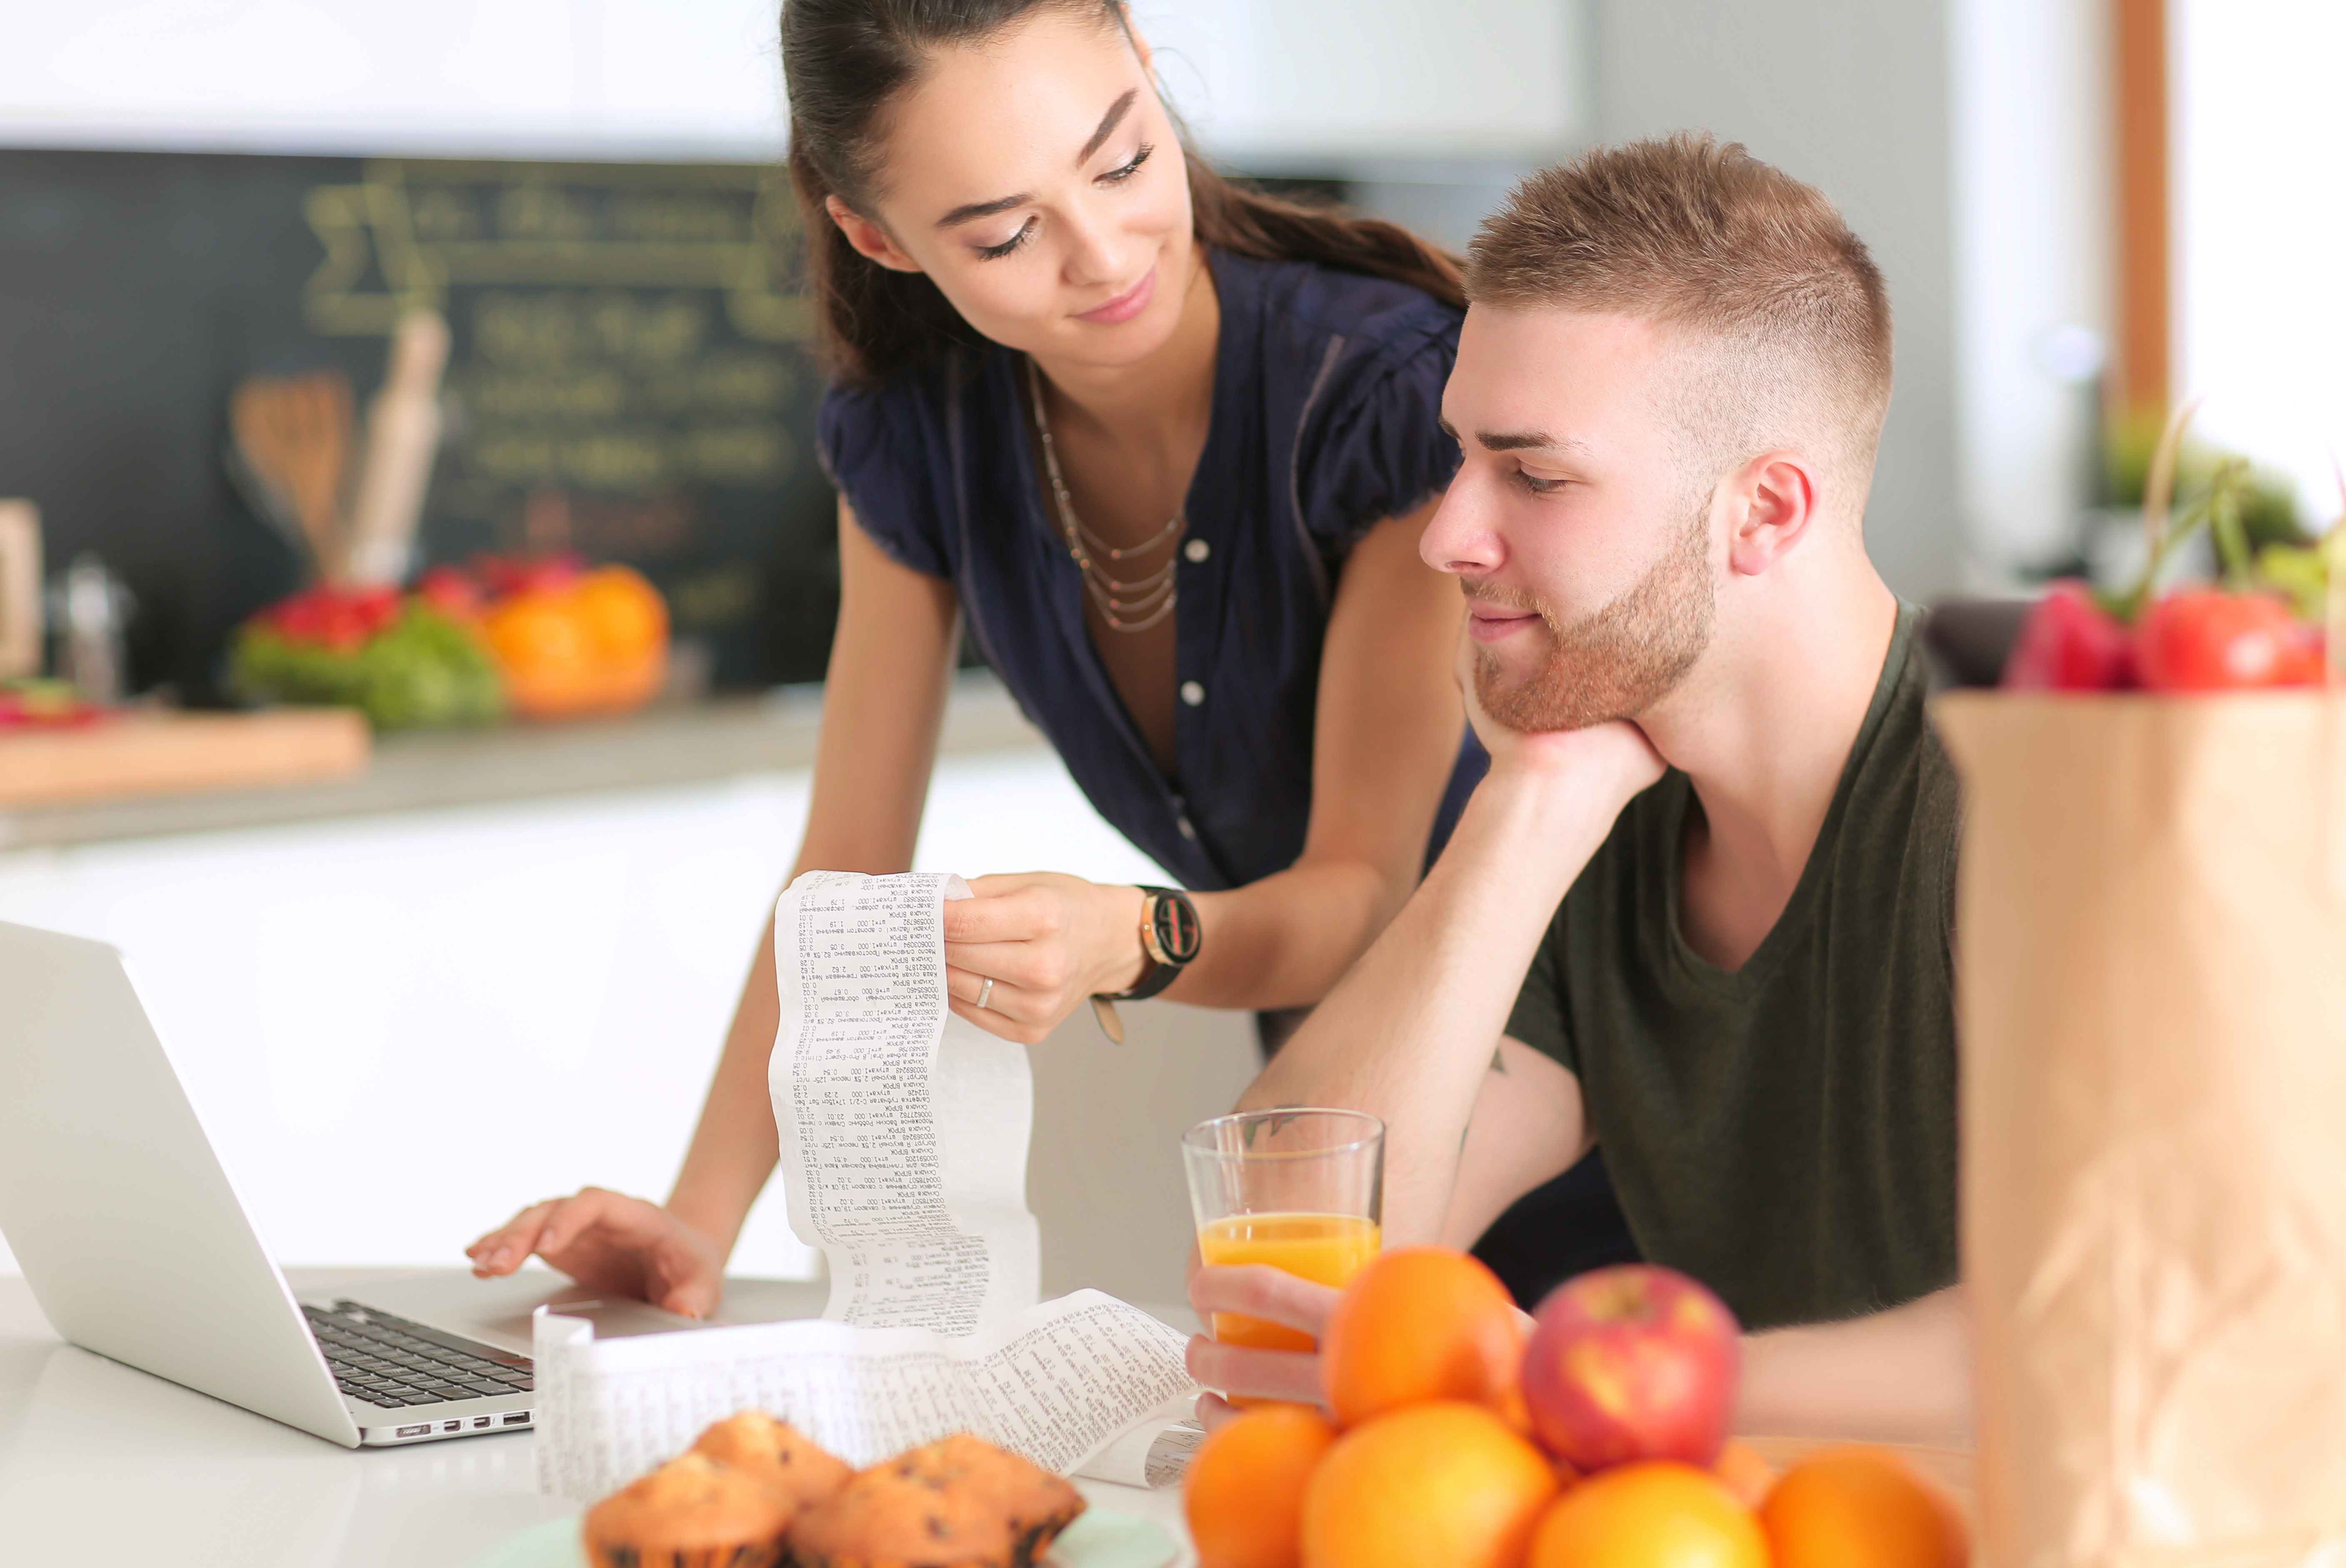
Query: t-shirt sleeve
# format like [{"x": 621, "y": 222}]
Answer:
[
  {"x": 871, "y": 449},
  {"x": 1372, "y": 445},
  {"x": 1537, "y": 1019}
]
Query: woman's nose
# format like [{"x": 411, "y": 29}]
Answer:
[{"x": 1095, "y": 249}]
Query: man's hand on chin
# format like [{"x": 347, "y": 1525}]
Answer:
[
  {"x": 1275, "y": 1296},
  {"x": 1613, "y": 759}
]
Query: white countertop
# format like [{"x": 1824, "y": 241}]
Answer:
[{"x": 103, "y": 1465}]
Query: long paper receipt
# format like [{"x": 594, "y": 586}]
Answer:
[
  {"x": 904, "y": 1135},
  {"x": 904, "y": 1127}
]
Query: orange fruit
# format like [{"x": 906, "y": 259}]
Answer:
[
  {"x": 548, "y": 665},
  {"x": 1657, "y": 1513},
  {"x": 1244, "y": 1494},
  {"x": 1746, "y": 1475},
  {"x": 1862, "y": 1508},
  {"x": 622, "y": 615},
  {"x": 1444, "y": 1484},
  {"x": 1422, "y": 1323}
]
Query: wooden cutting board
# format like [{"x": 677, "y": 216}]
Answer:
[{"x": 180, "y": 753}]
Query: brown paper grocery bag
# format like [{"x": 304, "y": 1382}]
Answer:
[{"x": 2151, "y": 997}]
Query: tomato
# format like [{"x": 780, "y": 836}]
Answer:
[
  {"x": 2205, "y": 639},
  {"x": 2069, "y": 643},
  {"x": 451, "y": 591}
]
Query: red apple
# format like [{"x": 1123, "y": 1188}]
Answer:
[{"x": 1630, "y": 1363}]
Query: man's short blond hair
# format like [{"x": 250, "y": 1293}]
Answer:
[{"x": 1745, "y": 260}]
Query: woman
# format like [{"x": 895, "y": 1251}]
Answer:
[{"x": 1167, "y": 445}]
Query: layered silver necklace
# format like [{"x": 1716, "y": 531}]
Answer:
[{"x": 1130, "y": 606}]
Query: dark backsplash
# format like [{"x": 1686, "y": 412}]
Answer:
[{"x": 630, "y": 376}]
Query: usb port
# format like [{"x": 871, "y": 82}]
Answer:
[
  {"x": 423, "y": 1431},
  {"x": 518, "y": 1418}
]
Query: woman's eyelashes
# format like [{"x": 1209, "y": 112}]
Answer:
[
  {"x": 1115, "y": 176},
  {"x": 1124, "y": 171},
  {"x": 995, "y": 252}
]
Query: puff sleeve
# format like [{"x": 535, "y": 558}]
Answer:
[
  {"x": 1372, "y": 447},
  {"x": 873, "y": 450}
]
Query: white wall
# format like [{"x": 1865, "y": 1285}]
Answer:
[
  {"x": 524, "y": 76},
  {"x": 2261, "y": 231},
  {"x": 1284, "y": 79},
  {"x": 2034, "y": 268}
]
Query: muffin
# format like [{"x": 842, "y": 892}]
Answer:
[
  {"x": 960, "y": 1502},
  {"x": 778, "y": 1455},
  {"x": 690, "y": 1513}
]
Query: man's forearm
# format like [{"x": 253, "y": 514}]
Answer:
[
  {"x": 1409, "y": 1032},
  {"x": 1903, "y": 1375}
]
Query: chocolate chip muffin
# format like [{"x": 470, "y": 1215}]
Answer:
[
  {"x": 690, "y": 1513},
  {"x": 778, "y": 1455},
  {"x": 959, "y": 1502}
]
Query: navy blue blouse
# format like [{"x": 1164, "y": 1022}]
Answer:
[{"x": 1327, "y": 387}]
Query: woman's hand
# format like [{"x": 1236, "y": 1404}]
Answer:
[
  {"x": 610, "y": 1242},
  {"x": 1274, "y": 1296},
  {"x": 1047, "y": 941}
]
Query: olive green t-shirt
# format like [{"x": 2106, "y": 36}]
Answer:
[{"x": 1784, "y": 1132}]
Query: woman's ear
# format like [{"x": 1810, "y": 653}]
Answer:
[
  {"x": 869, "y": 239},
  {"x": 1774, "y": 502}
]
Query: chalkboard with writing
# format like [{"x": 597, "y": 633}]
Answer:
[{"x": 629, "y": 377}]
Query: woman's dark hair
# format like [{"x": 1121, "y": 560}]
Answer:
[{"x": 844, "y": 60}]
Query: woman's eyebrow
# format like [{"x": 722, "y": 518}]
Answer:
[
  {"x": 1108, "y": 122},
  {"x": 970, "y": 212}
]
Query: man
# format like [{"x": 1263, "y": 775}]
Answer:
[{"x": 1703, "y": 902}]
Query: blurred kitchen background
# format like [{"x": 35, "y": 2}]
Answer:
[{"x": 478, "y": 965}]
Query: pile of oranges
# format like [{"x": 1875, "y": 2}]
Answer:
[{"x": 1430, "y": 1462}]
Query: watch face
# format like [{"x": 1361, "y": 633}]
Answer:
[{"x": 1175, "y": 919}]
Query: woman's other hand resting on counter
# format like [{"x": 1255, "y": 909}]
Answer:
[
  {"x": 609, "y": 1241},
  {"x": 1047, "y": 941}
]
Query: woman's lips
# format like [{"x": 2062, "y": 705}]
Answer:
[
  {"x": 1126, "y": 305},
  {"x": 1492, "y": 625}
]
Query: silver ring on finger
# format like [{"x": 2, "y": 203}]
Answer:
[{"x": 985, "y": 994}]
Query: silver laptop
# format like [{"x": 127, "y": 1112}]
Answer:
[{"x": 135, "y": 1246}]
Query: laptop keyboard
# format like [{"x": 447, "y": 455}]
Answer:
[{"x": 391, "y": 1362}]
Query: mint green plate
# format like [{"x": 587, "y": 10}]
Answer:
[{"x": 1098, "y": 1540}]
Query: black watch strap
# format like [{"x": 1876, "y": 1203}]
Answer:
[{"x": 1170, "y": 939}]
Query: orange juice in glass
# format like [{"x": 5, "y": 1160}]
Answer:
[{"x": 1299, "y": 1189}]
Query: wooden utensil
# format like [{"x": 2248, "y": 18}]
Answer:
[
  {"x": 403, "y": 436},
  {"x": 20, "y": 590},
  {"x": 293, "y": 433}
]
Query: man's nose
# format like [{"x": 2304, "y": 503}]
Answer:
[{"x": 1458, "y": 538}]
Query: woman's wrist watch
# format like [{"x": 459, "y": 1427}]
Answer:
[{"x": 1170, "y": 936}]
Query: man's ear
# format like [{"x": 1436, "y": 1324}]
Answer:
[
  {"x": 868, "y": 237},
  {"x": 1774, "y": 505}
]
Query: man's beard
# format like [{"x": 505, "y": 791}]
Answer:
[{"x": 1618, "y": 661}]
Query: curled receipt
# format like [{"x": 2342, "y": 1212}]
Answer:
[
  {"x": 1085, "y": 1384},
  {"x": 903, "y": 1128},
  {"x": 904, "y": 1133}
]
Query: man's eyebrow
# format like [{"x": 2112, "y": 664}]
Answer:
[
  {"x": 1516, "y": 440},
  {"x": 970, "y": 212},
  {"x": 1108, "y": 122}
]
